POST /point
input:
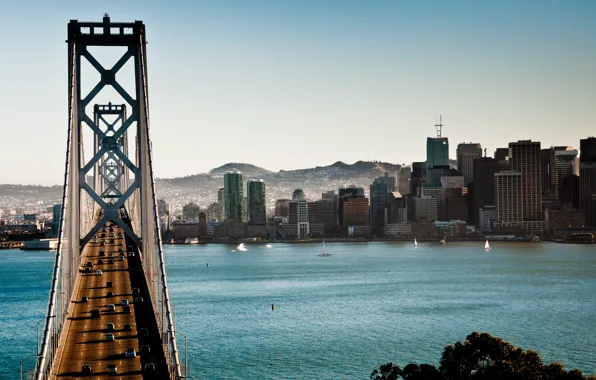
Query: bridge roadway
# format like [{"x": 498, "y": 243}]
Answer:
[{"x": 86, "y": 336}]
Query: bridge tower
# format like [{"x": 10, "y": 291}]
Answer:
[{"x": 120, "y": 182}]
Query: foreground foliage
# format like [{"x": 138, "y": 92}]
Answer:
[{"x": 481, "y": 357}]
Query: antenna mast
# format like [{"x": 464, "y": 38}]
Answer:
[{"x": 439, "y": 126}]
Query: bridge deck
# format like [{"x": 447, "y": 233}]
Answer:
[{"x": 86, "y": 337}]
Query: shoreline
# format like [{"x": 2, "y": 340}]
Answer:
[{"x": 363, "y": 240}]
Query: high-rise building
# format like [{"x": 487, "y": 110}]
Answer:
[
  {"x": 298, "y": 194},
  {"x": 426, "y": 207},
  {"x": 346, "y": 192},
  {"x": 214, "y": 212},
  {"x": 466, "y": 154},
  {"x": 434, "y": 174},
  {"x": 587, "y": 149},
  {"x": 298, "y": 215},
  {"x": 190, "y": 211},
  {"x": 557, "y": 162},
  {"x": 221, "y": 201},
  {"x": 378, "y": 204},
  {"x": 454, "y": 198},
  {"x": 417, "y": 178},
  {"x": 587, "y": 191},
  {"x": 524, "y": 158},
  {"x": 322, "y": 211},
  {"x": 282, "y": 208},
  {"x": 570, "y": 192},
  {"x": 354, "y": 211},
  {"x": 437, "y": 151},
  {"x": 257, "y": 207},
  {"x": 56, "y": 211},
  {"x": 484, "y": 185},
  {"x": 502, "y": 154},
  {"x": 233, "y": 196},
  {"x": 508, "y": 198},
  {"x": 202, "y": 225},
  {"x": 331, "y": 195},
  {"x": 390, "y": 182}
]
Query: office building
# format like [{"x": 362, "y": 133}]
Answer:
[
  {"x": 257, "y": 207},
  {"x": 331, "y": 195},
  {"x": 56, "y": 211},
  {"x": 298, "y": 194},
  {"x": 378, "y": 204},
  {"x": 437, "y": 152},
  {"x": 298, "y": 215},
  {"x": 233, "y": 196},
  {"x": 508, "y": 198},
  {"x": 502, "y": 154},
  {"x": 417, "y": 178},
  {"x": 347, "y": 192},
  {"x": 282, "y": 208},
  {"x": 587, "y": 191},
  {"x": 322, "y": 212},
  {"x": 570, "y": 192},
  {"x": 466, "y": 154},
  {"x": 556, "y": 163},
  {"x": 389, "y": 181},
  {"x": 524, "y": 158},
  {"x": 221, "y": 202},
  {"x": 454, "y": 198},
  {"x": 587, "y": 149},
  {"x": 426, "y": 208},
  {"x": 355, "y": 211},
  {"x": 484, "y": 170}
]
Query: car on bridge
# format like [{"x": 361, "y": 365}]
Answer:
[
  {"x": 98, "y": 272},
  {"x": 124, "y": 302},
  {"x": 110, "y": 327},
  {"x": 95, "y": 313},
  {"x": 111, "y": 307},
  {"x": 130, "y": 353},
  {"x": 127, "y": 327},
  {"x": 86, "y": 369},
  {"x": 112, "y": 368},
  {"x": 110, "y": 337},
  {"x": 84, "y": 299}
]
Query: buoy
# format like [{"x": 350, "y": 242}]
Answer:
[{"x": 272, "y": 306}]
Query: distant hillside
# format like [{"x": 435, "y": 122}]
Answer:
[
  {"x": 202, "y": 188},
  {"x": 248, "y": 170}
]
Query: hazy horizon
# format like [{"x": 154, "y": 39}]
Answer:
[{"x": 305, "y": 84}]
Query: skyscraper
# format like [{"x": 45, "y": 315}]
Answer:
[
  {"x": 378, "y": 203},
  {"x": 587, "y": 148},
  {"x": 587, "y": 179},
  {"x": 56, "y": 211},
  {"x": 437, "y": 151},
  {"x": 233, "y": 196},
  {"x": 417, "y": 178},
  {"x": 343, "y": 194},
  {"x": 484, "y": 185},
  {"x": 557, "y": 162},
  {"x": 508, "y": 198},
  {"x": 389, "y": 181},
  {"x": 524, "y": 158},
  {"x": 257, "y": 207},
  {"x": 587, "y": 191},
  {"x": 466, "y": 154}
]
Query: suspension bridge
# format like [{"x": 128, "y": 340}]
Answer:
[{"x": 109, "y": 309}]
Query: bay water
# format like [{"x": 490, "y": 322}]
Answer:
[{"x": 339, "y": 317}]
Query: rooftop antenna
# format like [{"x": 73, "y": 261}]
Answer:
[{"x": 439, "y": 126}]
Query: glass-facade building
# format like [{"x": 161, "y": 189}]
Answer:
[
  {"x": 257, "y": 208},
  {"x": 437, "y": 151},
  {"x": 233, "y": 196}
]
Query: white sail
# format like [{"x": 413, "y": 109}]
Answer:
[
  {"x": 415, "y": 243},
  {"x": 486, "y": 245}
]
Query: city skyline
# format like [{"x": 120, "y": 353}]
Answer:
[{"x": 267, "y": 73}]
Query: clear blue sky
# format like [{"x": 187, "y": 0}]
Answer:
[{"x": 292, "y": 84}]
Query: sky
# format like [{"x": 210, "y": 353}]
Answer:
[{"x": 295, "y": 84}]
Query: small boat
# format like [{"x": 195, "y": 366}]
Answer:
[
  {"x": 443, "y": 242},
  {"x": 324, "y": 253},
  {"x": 241, "y": 247},
  {"x": 487, "y": 246},
  {"x": 415, "y": 243},
  {"x": 268, "y": 246}
]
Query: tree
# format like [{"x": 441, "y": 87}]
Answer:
[{"x": 482, "y": 357}]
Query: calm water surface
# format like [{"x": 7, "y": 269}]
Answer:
[{"x": 339, "y": 317}]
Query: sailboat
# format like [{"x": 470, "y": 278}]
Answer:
[
  {"x": 415, "y": 243},
  {"x": 324, "y": 253},
  {"x": 241, "y": 248},
  {"x": 487, "y": 246}
]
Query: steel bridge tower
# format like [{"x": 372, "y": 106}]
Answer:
[{"x": 120, "y": 182}]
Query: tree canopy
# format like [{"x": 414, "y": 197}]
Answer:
[{"x": 481, "y": 357}]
